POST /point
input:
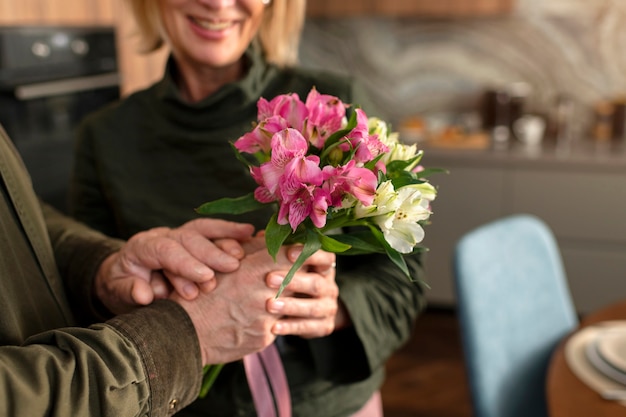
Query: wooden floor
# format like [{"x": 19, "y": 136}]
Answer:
[{"x": 427, "y": 377}]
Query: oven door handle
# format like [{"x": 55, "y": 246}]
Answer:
[{"x": 66, "y": 86}]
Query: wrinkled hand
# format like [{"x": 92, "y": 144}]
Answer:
[
  {"x": 232, "y": 320},
  {"x": 153, "y": 262},
  {"x": 309, "y": 305}
]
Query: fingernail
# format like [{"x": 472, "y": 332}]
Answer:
[
  {"x": 278, "y": 328},
  {"x": 160, "y": 291},
  {"x": 189, "y": 290},
  {"x": 207, "y": 286},
  {"x": 276, "y": 306},
  {"x": 276, "y": 281},
  {"x": 203, "y": 271}
]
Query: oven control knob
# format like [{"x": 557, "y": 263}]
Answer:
[
  {"x": 40, "y": 49},
  {"x": 79, "y": 47}
]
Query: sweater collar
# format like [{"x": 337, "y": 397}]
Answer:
[{"x": 226, "y": 101}]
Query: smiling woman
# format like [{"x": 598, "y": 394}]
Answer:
[{"x": 163, "y": 151}]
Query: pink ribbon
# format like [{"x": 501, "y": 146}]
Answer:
[
  {"x": 268, "y": 383},
  {"x": 270, "y": 391},
  {"x": 373, "y": 407}
]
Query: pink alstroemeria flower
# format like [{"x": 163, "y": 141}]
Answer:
[
  {"x": 287, "y": 106},
  {"x": 309, "y": 201},
  {"x": 326, "y": 115},
  {"x": 300, "y": 195},
  {"x": 367, "y": 146},
  {"x": 260, "y": 138},
  {"x": 358, "y": 182},
  {"x": 287, "y": 145},
  {"x": 292, "y": 178}
]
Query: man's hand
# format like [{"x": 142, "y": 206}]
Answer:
[
  {"x": 232, "y": 320},
  {"x": 157, "y": 260}
]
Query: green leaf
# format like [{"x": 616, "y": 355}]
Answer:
[
  {"x": 361, "y": 243},
  {"x": 335, "y": 137},
  {"x": 403, "y": 178},
  {"x": 337, "y": 222},
  {"x": 395, "y": 256},
  {"x": 401, "y": 165},
  {"x": 427, "y": 172},
  {"x": 372, "y": 164},
  {"x": 311, "y": 245},
  {"x": 330, "y": 244},
  {"x": 275, "y": 235},
  {"x": 238, "y": 205},
  {"x": 240, "y": 157}
]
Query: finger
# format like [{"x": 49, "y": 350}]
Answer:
[
  {"x": 141, "y": 292},
  {"x": 216, "y": 229},
  {"x": 150, "y": 251},
  {"x": 160, "y": 285},
  {"x": 326, "y": 270},
  {"x": 310, "y": 284},
  {"x": 206, "y": 251},
  {"x": 310, "y": 308},
  {"x": 307, "y": 329},
  {"x": 320, "y": 259},
  {"x": 230, "y": 246},
  {"x": 186, "y": 288}
]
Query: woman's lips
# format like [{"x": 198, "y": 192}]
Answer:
[{"x": 213, "y": 25}]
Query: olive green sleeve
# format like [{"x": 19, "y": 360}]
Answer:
[
  {"x": 146, "y": 363},
  {"x": 78, "y": 252}
]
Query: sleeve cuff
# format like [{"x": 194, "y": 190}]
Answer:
[{"x": 168, "y": 345}]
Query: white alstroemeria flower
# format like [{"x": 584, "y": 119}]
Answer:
[
  {"x": 385, "y": 201},
  {"x": 402, "y": 152},
  {"x": 401, "y": 228},
  {"x": 397, "y": 151},
  {"x": 429, "y": 192},
  {"x": 378, "y": 127}
]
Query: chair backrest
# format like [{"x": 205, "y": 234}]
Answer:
[{"x": 514, "y": 306}]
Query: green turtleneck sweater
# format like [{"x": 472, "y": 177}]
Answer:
[{"x": 152, "y": 158}]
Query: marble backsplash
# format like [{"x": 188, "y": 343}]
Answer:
[{"x": 420, "y": 67}]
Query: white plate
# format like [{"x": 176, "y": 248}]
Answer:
[
  {"x": 598, "y": 362},
  {"x": 580, "y": 365},
  {"x": 611, "y": 346}
]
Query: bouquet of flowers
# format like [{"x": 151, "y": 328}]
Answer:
[{"x": 342, "y": 184}]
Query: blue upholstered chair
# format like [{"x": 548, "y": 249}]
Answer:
[{"x": 514, "y": 306}]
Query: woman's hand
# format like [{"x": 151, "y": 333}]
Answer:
[{"x": 309, "y": 305}]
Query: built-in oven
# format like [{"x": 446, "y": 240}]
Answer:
[{"x": 50, "y": 78}]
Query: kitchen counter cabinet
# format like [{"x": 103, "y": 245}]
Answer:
[
  {"x": 581, "y": 195},
  {"x": 138, "y": 70}
]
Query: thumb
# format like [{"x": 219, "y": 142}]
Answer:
[{"x": 139, "y": 292}]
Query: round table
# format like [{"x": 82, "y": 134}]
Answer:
[{"x": 567, "y": 395}]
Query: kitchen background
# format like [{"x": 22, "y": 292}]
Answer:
[
  {"x": 417, "y": 60},
  {"x": 415, "y": 66},
  {"x": 431, "y": 68}
]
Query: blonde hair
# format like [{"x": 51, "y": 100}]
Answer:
[{"x": 278, "y": 35}]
